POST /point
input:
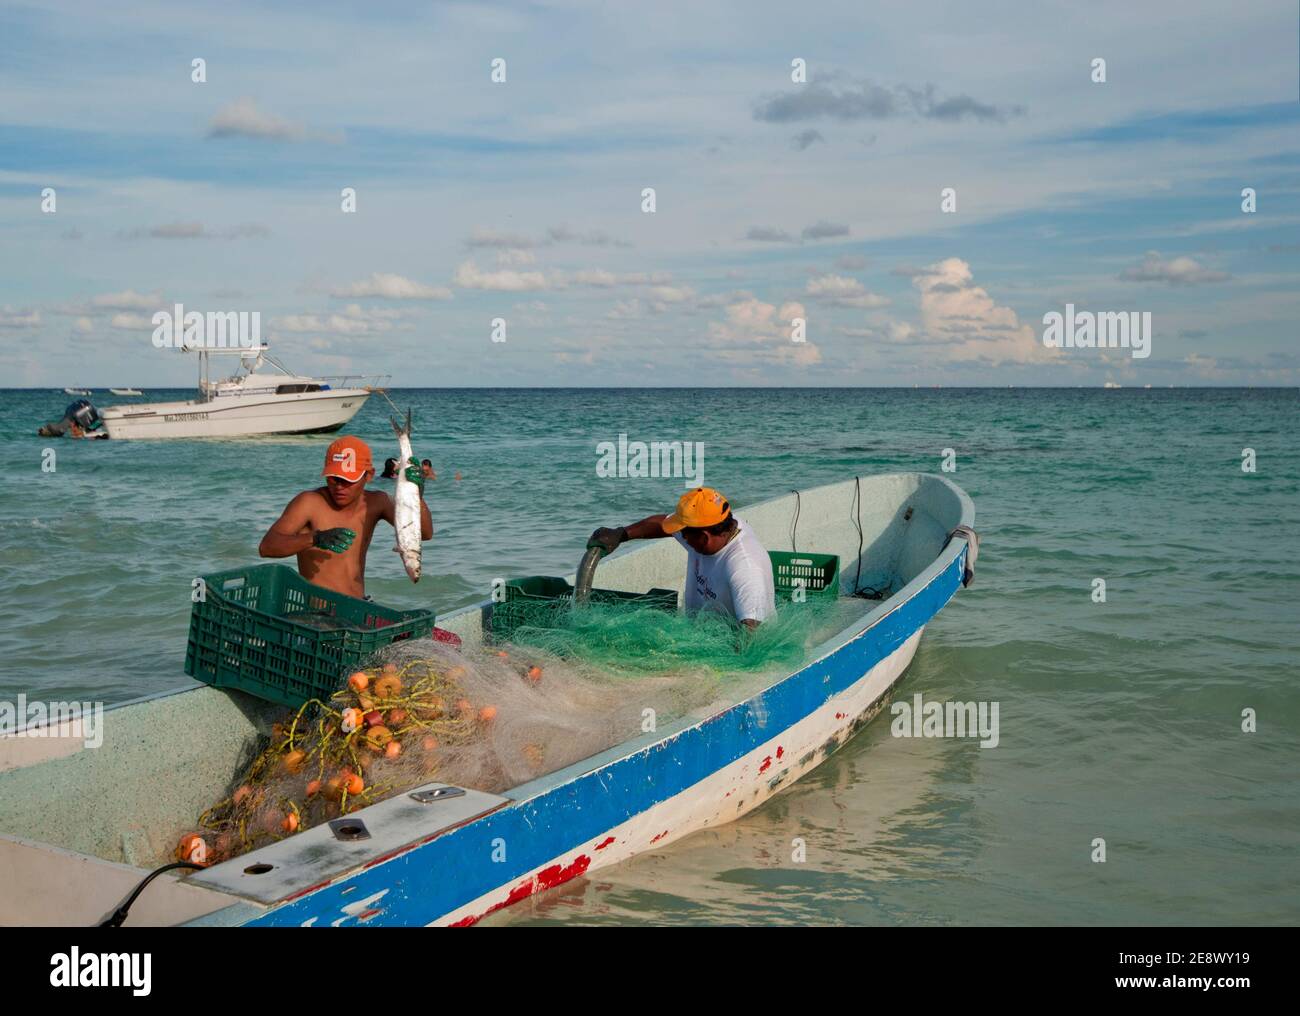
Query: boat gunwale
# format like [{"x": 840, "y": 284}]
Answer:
[{"x": 532, "y": 789}]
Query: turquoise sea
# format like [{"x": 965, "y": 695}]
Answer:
[{"x": 1119, "y": 720}]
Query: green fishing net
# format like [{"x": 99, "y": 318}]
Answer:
[{"x": 631, "y": 638}]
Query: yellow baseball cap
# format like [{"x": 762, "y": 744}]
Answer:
[{"x": 698, "y": 508}]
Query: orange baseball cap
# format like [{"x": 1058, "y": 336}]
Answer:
[
  {"x": 348, "y": 458},
  {"x": 700, "y": 507}
]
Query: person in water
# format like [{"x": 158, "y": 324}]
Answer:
[
  {"x": 426, "y": 470},
  {"x": 727, "y": 569},
  {"x": 321, "y": 526},
  {"x": 390, "y": 470}
]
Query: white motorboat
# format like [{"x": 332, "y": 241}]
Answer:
[
  {"x": 76, "y": 391},
  {"x": 261, "y": 397},
  {"x": 126, "y": 391}
]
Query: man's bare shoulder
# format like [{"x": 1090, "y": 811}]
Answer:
[
  {"x": 378, "y": 501},
  {"x": 309, "y": 499}
]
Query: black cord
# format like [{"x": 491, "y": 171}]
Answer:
[
  {"x": 119, "y": 915},
  {"x": 794, "y": 523},
  {"x": 857, "y": 521},
  {"x": 870, "y": 593}
]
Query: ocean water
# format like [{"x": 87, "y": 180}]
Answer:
[{"x": 1118, "y": 720}]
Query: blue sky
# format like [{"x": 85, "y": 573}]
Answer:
[{"x": 775, "y": 200}]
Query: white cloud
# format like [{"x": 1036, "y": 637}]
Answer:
[
  {"x": 967, "y": 322},
  {"x": 470, "y": 276},
  {"x": 352, "y": 320},
  {"x": 128, "y": 322},
  {"x": 11, "y": 318},
  {"x": 671, "y": 294},
  {"x": 128, "y": 299},
  {"x": 392, "y": 287},
  {"x": 514, "y": 257},
  {"x": 243, "y": 119},
  {"x": 844, "y": 292},
  {"x": 756, "y": 332},
  {"x": 1176, "y": 272}
]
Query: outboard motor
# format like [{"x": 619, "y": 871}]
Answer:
[
  {"x": 80, "y": 419},
  {"x": 84, "y": 415}
]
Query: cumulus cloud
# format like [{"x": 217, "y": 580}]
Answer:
[
  {"x": 351, "y": 320},
  {"x": 11, "y": 317},
  {"x": 128, "y": 299},
  {"x": 756, "y": 332},
  {"x": 965, "y": 320},
  {"x": 244, "y": 119},
  {"x": 130, "y": 322},
  {"x": 835, "y": 97},
  {"x": 843, "y": 291},
  {"x": 470, "y": 276},
  {"x": 510, "y": 257},
  {"x": 392, "y": 287},
  {"x": 1176, "y": 272}
]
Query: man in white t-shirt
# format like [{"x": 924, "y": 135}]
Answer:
[{"x": 727, "y": 569}]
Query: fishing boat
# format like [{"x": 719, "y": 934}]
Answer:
[
  {"x": 75, "y": 821},
  {"x": 262, "y": 396},
  {"x": 126, "y": 391}
]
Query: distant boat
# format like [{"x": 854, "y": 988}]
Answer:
[
  {"x": 126, "y": 391},
  {"x": 1112, "y": 384},
  {"x": 254, "y": 400},
  {"x": 76, "y": 391}
]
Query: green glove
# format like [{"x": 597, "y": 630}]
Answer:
[
  {"x": 415, "y": 474},
  {"x": 336, "y": 541}
]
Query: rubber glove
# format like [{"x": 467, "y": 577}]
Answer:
[
  {"x": 607, "y": 539},
  {"x": 336, "y": 541},
  {"x": 415, "y": 474}
]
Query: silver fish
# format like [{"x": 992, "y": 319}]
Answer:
[{"x": 406, "y": 500}]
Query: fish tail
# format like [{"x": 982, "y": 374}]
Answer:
[{"x": 397, "y": 425}]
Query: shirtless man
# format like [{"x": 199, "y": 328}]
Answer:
[{"x": 321, "y": 526}]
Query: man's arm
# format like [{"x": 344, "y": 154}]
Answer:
[
  {"x": 286, "y": 538},
  {"x": 649, "y": 528}
]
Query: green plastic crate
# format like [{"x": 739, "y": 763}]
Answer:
[
  {"x": 819, "y": 573},
  {"x": 269, "y": 632},
  {"x": 536, "y": 601}
]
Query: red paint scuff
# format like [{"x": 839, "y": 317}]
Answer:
[
  {"x": 660, "y": 836},
  {"x": 605, "y": 843},
  {"x": 547, "y": 878},
  {"x": 767, "y": 764},
  {"x": 779, "y": 751}
]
